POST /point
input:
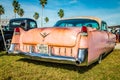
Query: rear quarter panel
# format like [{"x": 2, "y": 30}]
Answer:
[{"x": 97, "y": 44}]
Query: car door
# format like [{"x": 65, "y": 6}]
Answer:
[{"x": 108, "y": 41}]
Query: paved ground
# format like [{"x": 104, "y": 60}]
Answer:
[{"x": 117, "y": 46}]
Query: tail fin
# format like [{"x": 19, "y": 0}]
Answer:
[{"x": 16, "y": 35}]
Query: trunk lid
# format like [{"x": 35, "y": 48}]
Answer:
[{"x": 51, "y": 36}]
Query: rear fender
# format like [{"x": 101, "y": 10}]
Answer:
[
  {"x": 97, "y": 44},
  {"x": 83, "y": 43},
  {"x": 16, "y": 37}
]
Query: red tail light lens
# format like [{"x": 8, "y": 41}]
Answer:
[
  {"x": 17, "y": 29},
  {"x": 84, "y": 29}
]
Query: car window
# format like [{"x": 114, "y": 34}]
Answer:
[
  {"x": 91, "y": 24},
  {"x": 104, "y": 26},
  {"x": 77, "y": 23},
  {"x": 66, "y": 25},
  {"x": 32, "y": 24},
  {"x": 15, "y": 23},
  {"x": 62, "y": 24}
]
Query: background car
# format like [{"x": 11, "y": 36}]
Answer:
[{"x": 24, "y": 23}]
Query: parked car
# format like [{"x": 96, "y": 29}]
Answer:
[
  {"x": 79, "y": 41},
  {"x": 24, "y": 23}
]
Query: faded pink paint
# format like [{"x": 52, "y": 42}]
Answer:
[
  {"x": 98, "y": 43},
  {"x": 68, "y": 40}
]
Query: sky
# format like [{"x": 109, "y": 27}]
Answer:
[{"x": 107, "y": 10}]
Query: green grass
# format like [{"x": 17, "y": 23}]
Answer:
[{"x": 18, "y": 68}]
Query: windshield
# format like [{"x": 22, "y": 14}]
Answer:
[{"x": 77, "y": 23}]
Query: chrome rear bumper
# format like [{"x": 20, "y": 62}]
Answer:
[{"x": 81, "y": 59}]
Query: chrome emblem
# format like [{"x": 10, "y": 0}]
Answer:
[{"x": 44, "y": 34}]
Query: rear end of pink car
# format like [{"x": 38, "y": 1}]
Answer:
[{"x": 71, "y": 41}]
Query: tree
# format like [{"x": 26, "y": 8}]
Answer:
[
  {"x": 61, "y": 13},
  {"x": 46, "y": 19},
  {"x": 43, "y": 3},
  {"x": 20, "y": 12},
  {"x": 2, "y": 11},
  {"x": 16, "y": 6},
  {"x": 36, "y": 15}
]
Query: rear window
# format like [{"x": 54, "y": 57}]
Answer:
[
  {"x": 26, "y": 24},
  {"x": 16, "y": 23},
  {"x": 77, "y": 23}
]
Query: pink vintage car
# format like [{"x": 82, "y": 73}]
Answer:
[{"x": 79, "y": 41}]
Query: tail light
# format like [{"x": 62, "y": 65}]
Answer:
[
  {"x": 84, "y": 30},
  {"x": 17, "y": 31}
]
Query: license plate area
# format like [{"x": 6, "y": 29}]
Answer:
[{"x": 42, "y": 48}]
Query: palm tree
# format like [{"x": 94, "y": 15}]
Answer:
[
  {"x": 61, "y": 13},
  {"x": 16, "y": 6},
  {"x": 43, "y": 3},
  {"x": 2, "y": 11},
  {"x": 36, "y": 15},
  {"x": 20, "y": 12},
  {"x": 46, "y": 19}
]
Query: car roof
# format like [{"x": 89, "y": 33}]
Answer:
[
  {"x": 22, "y": 19},
  {"x": 85, "y": 17}
]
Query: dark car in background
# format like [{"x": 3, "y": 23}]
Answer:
[
  {"x": 118, "y": 36},
  {"x": 25, "y": 23}
]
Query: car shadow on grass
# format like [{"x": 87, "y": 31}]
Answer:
[
  {"x": 2, "y": 53},
  {"x": 79, "y": 69}
]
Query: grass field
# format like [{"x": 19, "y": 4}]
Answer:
[{"x": 19, "y": 68}]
